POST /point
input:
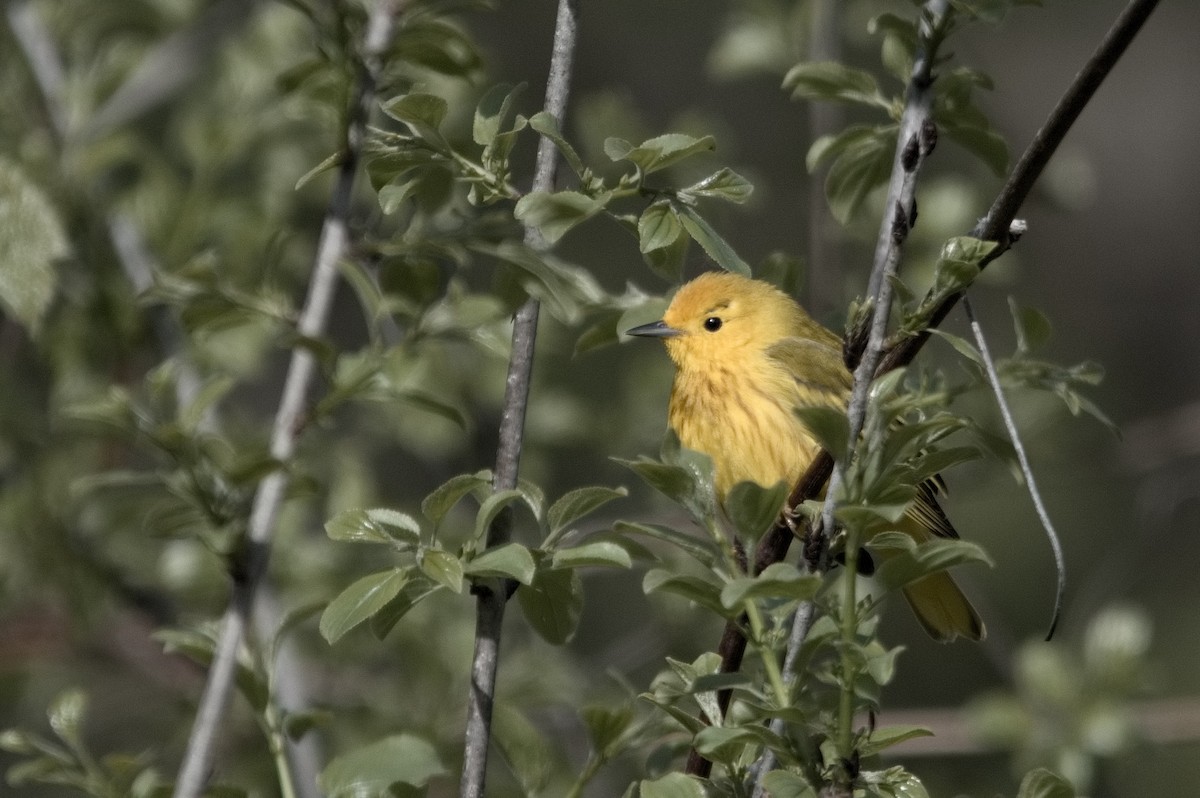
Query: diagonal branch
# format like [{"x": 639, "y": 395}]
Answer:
[
  {"x": 995, "y": 227},
  {"x": 248, "y": 573},
  {"x": 491, "y": 599}
]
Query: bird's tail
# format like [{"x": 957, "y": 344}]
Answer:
[{"x": 943, "y": 609}]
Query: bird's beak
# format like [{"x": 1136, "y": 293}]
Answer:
[{"x": 655, "y": 329}]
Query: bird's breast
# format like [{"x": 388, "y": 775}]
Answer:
[{"x": 744, "y": 420}]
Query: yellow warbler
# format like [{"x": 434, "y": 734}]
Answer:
[{"x": 746, "y": 356}]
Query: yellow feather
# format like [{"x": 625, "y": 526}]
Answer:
[{"x": 746, "y": 356}]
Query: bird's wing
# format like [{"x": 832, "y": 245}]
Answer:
[
  {"x": 817, "y": 368},
  {"x": 926, "y": 511}
]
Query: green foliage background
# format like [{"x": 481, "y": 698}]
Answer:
[{"x": 118, "y": 503}]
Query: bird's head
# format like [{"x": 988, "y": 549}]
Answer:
[{"x": 721, "y": 316}]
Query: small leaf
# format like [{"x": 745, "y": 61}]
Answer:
[
  {"x": 449, "y": 493},
  {"x": 553, "y": 604},
  {"x": 785, "y": 784},
  {"x": 863, "y": 166},
  {"x": 754, "y": 509},
  {"x": 778, "y": 580},
  {"x": 544, "y": 123},
  {"x": 443, "y": 567},
  {"x": 658, "y": 227},
  {"x": 511, "y": 561},
  {"x": 1032, "y": 327},
  {"x": 922, "y": 560},
  {"x": 377, "y": 525},
  {"x": 710, "y": 241},
  {"x": 724, "y": 184},
  {"x": 579, "y": 503},
  {"x": 554, "y": 213},
  {"x": 359, "y": 602},
  {"x": 887, "y": 736},
  {"x": 421, "y": 112},
  {"x": 829, "y": 427},
  {"x": 416, "y": 590},
  {"x": 598, "y": 553},
  {"x": 701, "y": 549},
  {"x": 523, "y": 747},
  {"x": 490, "y": 508},
  {"x": 672, "y": 785},
  {"x": 330, "y": 161},
  {"x": 1043, "y": 783},
  {"x": 66, "y": 716},
  {"x": 695, "y": 589},
  {"x": 372, "y": 769},
  {"x": 660, "y": 152},
  {"x": 494, "y": 107},
  {"x": 605, "y": 726},
  {"x": 833, "y": 81},
  {"x": 32, "y": 240}
]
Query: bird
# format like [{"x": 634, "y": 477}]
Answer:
[{"x": 746, "y": 357}]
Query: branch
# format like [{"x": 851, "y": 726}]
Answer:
[
  {"x": 1031, "y": 485},
  {"x": 491, "y": 600},
  {"x": 994, "y": 227},
  {"x": 249, "y": 570}
]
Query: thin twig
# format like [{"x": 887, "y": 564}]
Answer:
[
  {"x": 249, "y": 572},
  {"x": 774, "y": 545},
  {"x": 491, "y": 599},
  {"x": 1030, "y": 484}
]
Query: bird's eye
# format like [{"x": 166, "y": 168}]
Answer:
[{"x": 712, "y": 323}]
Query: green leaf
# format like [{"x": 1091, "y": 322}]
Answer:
[
  {"x": 778, "y": 580},
  {"x": 579, "y": 503},
  {"x": 694, "y": 588},
  {"x": 372, "y": 769},
  {"x": 443, "y": 567},
  {"x": 494, "y": 107},
  {"x": 1043, "y": 783},
  {"x": 449, "y": 493},
  {"x": 831, "y": 146},
  {"x": 887, "y": 736},
  {"x": 565, "y": 289},
  {"x": 377, "y": 525},
  {"x": 544, "y": 123},
  {"x": 710, "y": 241},
  {"x": 673, "y": 481},
  {"x": 416, "y": 590},
  {"x": 1031, "y": 325},
  {"x": 66, "y": 716},
  {"x": 490, "y": 508},
  {"x": 511, "y": 561},
  {"x": 658, "y": 227},
  {"x": 359, "y": 602},
  {"x": 830, "y": 427},
  {"x": 523, "y": 747},
  {"x": 330, "y": 161},
  {"x": 754, "y": 509},
  {"x": 864, "y": 165},
  {"x": 672, "y": 785},
  {"x": 421, "y": 112},
  {"x": 554, "y": 213},
  {"x": 553, "y": 604},
  {"x": 905, "y": 561},
  {"x": 984, "y": 143},
  {"x": 784, "y": 784},
  {"x": 32, "y": 240},
  {"x": 700, "y": 548},
  {"x": 724, "y": 184},
  {"x": 723, "y": 744},
  {"x": 603, "y": 553},
  {"x": 606, "y": 726},
  {"x": 660, "y": 152},
  {"x": 836, "y": 82},
  {"x": 667, "y": 262}
]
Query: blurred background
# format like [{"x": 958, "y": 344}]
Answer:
[{"x": 177, "y": 121}]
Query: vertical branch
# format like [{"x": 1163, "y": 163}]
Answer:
[
  {"x": 491, "y": 598},
  {"x": 249, "y": 569}
]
